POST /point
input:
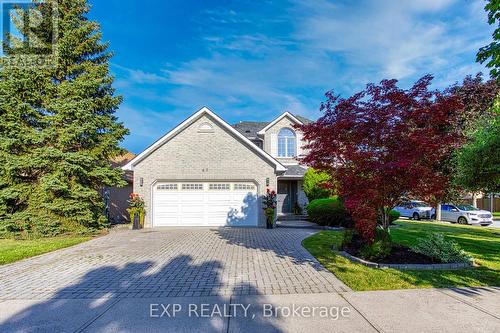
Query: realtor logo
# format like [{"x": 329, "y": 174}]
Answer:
[{"x": 29, "y": 32}]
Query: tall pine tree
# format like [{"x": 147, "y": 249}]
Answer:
[{"x": 58, "y": 129}]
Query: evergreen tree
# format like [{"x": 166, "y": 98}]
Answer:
[{"x": 58, "y": 129}]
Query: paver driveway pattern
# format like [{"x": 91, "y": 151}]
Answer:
[{"x": 173, "y": 262}]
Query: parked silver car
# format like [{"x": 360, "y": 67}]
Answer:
[
  {"x": 465, "y": 214},
  {"x": 414, "y": 209}
]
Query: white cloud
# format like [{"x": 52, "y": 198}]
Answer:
[
  {"x": 395, "y": 39},
  {"x": 245, "y": 71},
  {"x": 140, "y": 76}
]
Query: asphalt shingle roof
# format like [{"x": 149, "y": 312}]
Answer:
[
  {"x": 250, "y": 128},
  {"x": 304, "y": 120},
  {"x": 295, "y": 170}
]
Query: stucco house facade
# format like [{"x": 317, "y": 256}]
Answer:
[{"x": 206, "y": 172}]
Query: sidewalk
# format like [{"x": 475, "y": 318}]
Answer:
[{"x": 418, "y": 310}]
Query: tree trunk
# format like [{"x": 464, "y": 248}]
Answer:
[{"x": 385, "y": 218}]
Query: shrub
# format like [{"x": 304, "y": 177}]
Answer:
[
  {"x": 314, "y": 184},
  {"x": 440, "y": 249},
  {"x": 329, "y": 212},
  {"x": 393, "y": 215},
  {"x": 380, "y": 248}
]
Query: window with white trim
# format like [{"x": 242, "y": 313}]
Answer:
[
  {"x": 192, "y": 186},
  {"x": 287, "y": 146},
  {"x": 167, "y": 187},
  {"x": 218, "y": 187},
  {"x": 239, "y": 187}
]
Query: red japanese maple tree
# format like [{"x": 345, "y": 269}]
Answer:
[{"x": 384, "y": 143}]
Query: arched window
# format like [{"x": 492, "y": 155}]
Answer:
[
  {"x": 286, "y": 143},
  {"x": 205, "y": 128}
]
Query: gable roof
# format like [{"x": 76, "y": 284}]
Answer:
[
  {"x": 189, "y": 121},
  {"x": 285, "y": 114}
]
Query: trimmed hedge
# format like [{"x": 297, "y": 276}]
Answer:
[{"x": 328, "y": 212}]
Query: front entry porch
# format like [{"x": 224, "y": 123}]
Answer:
[{"x": 290, "y": 206}]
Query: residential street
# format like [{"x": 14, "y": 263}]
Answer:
[
  {"x": 496, "y": 224},
  {"x": 131, "y": 281}
]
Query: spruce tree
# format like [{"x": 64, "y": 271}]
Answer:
[{"x": 58, "y": 128}]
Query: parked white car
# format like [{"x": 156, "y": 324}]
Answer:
[
  {"x": 414, "y": 209},
  {"x": 465, "y": 214}
]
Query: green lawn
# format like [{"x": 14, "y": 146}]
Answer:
[
  {"x": 12, "y": 250},
  {"x": 482, "y": 243},
  {"x": 496, "y": 214}
]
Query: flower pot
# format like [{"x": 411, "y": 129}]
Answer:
[{"x": 269, "y": 223}]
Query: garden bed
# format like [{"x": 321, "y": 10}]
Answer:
[
  {"x": 414, "y": 261},
  {"x": 480, "y": 243},
  {"x": 400, "y": 257}
]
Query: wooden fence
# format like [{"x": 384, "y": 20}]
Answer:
[{"x": 485, "y": 203}]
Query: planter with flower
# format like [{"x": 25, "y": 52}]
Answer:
[
  {"x": 269, "y": 206},
  {"x": 136, "y": 208}
]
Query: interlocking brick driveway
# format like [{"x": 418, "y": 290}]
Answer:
[{"x": 173, "y": 262}]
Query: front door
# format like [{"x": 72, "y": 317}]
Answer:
[{"x": 284, "y": 197}]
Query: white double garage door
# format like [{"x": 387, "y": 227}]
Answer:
[{"x": 205, "y": 204}]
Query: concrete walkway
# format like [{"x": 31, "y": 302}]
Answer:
[
  {"x": 425, "y": 310},
  {"x": 218, "y": 280}
]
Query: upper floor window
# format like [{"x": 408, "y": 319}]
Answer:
[{"x": 286, "y": 143}]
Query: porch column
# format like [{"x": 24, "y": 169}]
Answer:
[{"x": 474, "y": 199}]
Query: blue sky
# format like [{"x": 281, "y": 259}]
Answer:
[{"x": 252, "y": 60}]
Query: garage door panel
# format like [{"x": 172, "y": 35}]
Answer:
[
  {"x": 167, "y": 198},
  {"x": 191, "y": 209},
  {"x": 212, "y": 205},
  {"x": 167, "y": 209},
  {"x": 213, "y": 209},
  {"x": 191, "y": 197},
  {"x": 218, "y": 197}
]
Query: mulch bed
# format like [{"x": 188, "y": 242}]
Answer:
[{"x": 399, "y": 254}]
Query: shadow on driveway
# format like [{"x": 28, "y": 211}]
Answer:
[{"x": 122, "y": 299}]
